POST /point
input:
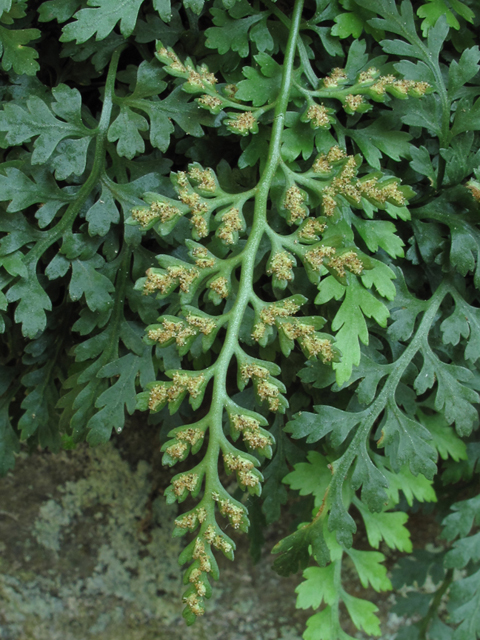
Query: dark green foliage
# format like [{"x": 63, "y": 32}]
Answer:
[{"x": 270, "y": 209}]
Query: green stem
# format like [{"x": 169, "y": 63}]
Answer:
[
  {"x": 434, "y": 66},
  {"x": 110, "y": 351},
  {"x": 342, "y": 465},
  {"x": 444, "y": 138},
  {"x": 434, "y": 605},
  {"x": 338, "y": 94},
  {"x": 310, "y": 182},
  {"x": 335, "y": 606},
  {"x": 98, "y": 165},
  {"x": 119, "y": 304},
  {"x": 249, "y": 256},
  {"x": 302, "y": 50},
  {"x": 277, "y": 12},
  {"x": 146, "y": 105},
  {"x": 307, "y": 67}
]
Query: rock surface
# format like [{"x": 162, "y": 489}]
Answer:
[{"x": 86, "y": 551}]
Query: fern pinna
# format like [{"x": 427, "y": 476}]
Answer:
[
  {"x": 308, "y": 275},
  {"x": 225, "y": 317}
]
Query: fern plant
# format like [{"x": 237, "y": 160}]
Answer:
[{"x": 211, "y": 202}]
